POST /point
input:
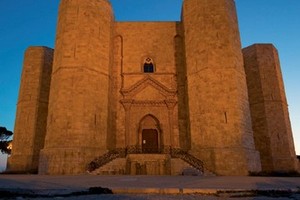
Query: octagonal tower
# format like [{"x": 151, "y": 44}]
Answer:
[
  {"x": 219, "y": 115},
  {"x": 78, "y": 105}
]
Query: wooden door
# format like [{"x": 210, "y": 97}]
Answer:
[{"x": 150, "y": 141}]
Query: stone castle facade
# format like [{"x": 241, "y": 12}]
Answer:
[{"x": 151, "y": 97}]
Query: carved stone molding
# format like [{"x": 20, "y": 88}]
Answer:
[
  {"x": 140, "y": 85},
  {"x": 126, "y": 103},
  {"x": 171, "y": 103}
]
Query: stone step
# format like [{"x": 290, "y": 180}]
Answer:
[{"x": 149, "y": 164}]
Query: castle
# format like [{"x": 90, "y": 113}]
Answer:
[{"x": 151, "y": 97}]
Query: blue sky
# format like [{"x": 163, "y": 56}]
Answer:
[{"x": 33, "y": 22}]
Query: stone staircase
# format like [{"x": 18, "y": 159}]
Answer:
[
  {"x": 115, "y": 167},
  {"x": 193, "y": 161},
  {"x": 106, "y": 163},
  {"x": 105, "y": 159}
]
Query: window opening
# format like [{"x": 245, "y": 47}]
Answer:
[{"x": 148, "y": 66}]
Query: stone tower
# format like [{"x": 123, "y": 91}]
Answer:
[
  {"x": 32, "y": 109},
  {"x": 269, "y": 110},
  {"x": 151, "y": 98},
  {"x": 220, "y": 123},
  {"x": 78, "y": 103}
]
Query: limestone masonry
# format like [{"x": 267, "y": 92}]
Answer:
[{"x": 156, "y": 98}]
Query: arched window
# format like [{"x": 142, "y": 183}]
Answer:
[{"x": 148, "y": 66}]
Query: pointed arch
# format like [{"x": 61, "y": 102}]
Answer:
[
  {"x": 149, "y": 121},
  {"x": 148, "y": 65},
  {"x": 149, "y": 134}
]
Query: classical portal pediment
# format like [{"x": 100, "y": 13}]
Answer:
[
  {"x": 149, "y": 93},
  {"x": 150, "y": 88}
]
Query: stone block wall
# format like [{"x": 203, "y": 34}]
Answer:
[
  {"x": 32, "y": 110},
  {"x": 151, "y": 164},
  {"x": 219, "y": 115},
  {"x": 178, "y": 167},
  {"x": 79, "y": 97},
  {"x": 138, "y": 94},
  {"x": 269, "y": 109},
  {"x": 196, "y": 100}
]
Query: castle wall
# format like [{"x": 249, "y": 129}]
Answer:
[
  {"x": 134, "y": 42},
  {"x": 220, "y": 123},
  {"x": 147, "y": 39},
  {"x": 269, "y": 110},
  {"x": 32, "y": 109},
  {"x": 196, "y": 99},
  {"x": 183, "y": 110},
  {"x": 78, "y": 106}
]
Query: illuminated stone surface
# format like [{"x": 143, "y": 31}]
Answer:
[{"x": 153, "y": 86}]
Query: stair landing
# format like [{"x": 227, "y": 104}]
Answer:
[{"x": 147, "y": 164}]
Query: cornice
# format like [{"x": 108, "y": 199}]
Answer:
[{"x": 148, "y": 80}]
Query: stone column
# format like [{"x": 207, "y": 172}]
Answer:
[
  {"x": 170, "y": 105},
  {"x": 219, "y": 115},
  {"x": 127, "y": 105},
  {"x": 77, "y": 128}
]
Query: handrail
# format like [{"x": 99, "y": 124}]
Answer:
[
  {"x": 105, "y": 158},
  {"x": 193, "y": 161},
  {"x": 123, "y": 152}
]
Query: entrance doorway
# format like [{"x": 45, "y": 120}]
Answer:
[{"x": 150, "y": 141}]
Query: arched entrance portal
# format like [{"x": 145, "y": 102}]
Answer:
[{"x": 150, "y": 134}]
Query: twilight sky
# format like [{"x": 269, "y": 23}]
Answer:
[{"x": 33, "y": 22}]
